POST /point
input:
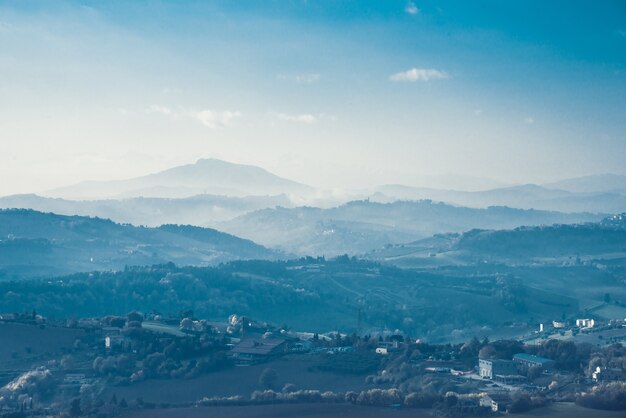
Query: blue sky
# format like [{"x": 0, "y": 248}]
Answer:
[{"x": 331, "y": 93}]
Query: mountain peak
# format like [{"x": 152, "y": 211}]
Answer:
[{"x": 205, "y": 176}]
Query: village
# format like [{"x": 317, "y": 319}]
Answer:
[{"x": 98, "y": 365}]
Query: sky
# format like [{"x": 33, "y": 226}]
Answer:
[{"x": 336, "y": 94}]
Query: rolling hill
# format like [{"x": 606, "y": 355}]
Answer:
[
  {"x": 528, "y": 196},
  {"x": 43, "y": 244},
  {"x": 200, "y": 210},
  {"x": 360, "y": 226},
  {"x": 528, "y": 245},
  {"x": 601, "y": 183}
]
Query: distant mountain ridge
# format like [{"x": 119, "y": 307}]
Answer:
[
  {"x": 600, "y": 183},
  {"x": 200, "y": 210},
  {"x": 206, "y": 176},
  {"x": 360, "y": 226},
  {"x": 528, "y": 196},
  {"x": 36, "y": 243}
]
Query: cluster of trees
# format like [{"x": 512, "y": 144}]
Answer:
[
  {"x": 611, "y": 396},
  {"x": 449, "y": 404},
  {"x": 566, "y": 354},
  {"x": 216, "y": 292},
  {"x": 151, "y": 356},
  {"x": 299, "y": 396},
  {"x": 26, "y": 389}
]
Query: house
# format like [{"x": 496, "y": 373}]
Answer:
[
  {"x": 256, "y": 350},
  {"x": 585, "y": 323},
  {"x": 530, "y": 360},
  {"x": 497, "y": 402},
  {"x": 559, "y": 324},
  {"x": 608, "y": 375},
  {"x": 489, "y": 368},
  {"x": 116, "y": 341},
  {"x": 8, "y": 317}
]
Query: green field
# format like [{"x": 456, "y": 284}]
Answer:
[{"x": 238, "y": 381}]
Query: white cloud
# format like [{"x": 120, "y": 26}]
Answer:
[
  {"x": 419, "y": 74},
  {"x": 212, "y": 119},
  {"x": 164, "y": 110},
  {"x": 411, "y": 8},
  {"x": 209, "y": 118},
  {"x": 303, "y": 118},
  {"x": 305, "y": 78},
  {"x": 529, "y": 120}
]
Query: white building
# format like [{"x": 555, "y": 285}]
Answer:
[{"x": 585, "y": 323}]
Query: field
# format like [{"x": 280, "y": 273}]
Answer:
[
  {"x": 237, "y": 381},
  {"x": 560, "y": 410},
  {"x": 281, "y": 411},
  {"x": 22, "y": 341},
  {"x": 569, "y": 410}
]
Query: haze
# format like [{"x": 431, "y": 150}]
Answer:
[{"x": 331, "y": 94}]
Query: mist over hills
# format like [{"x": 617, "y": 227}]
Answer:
[
  {"x": 34, "y": 243},
  {"x": 601, "y": 183},
  {"x": 211, "y": 191},
  {"x": 258, "y": 205},
  {"x": 206, "y": 176},
  {"x": 528, "y": 196},
  {"x": 361, "y": 226},
  {"x": 200, "y": 210}
]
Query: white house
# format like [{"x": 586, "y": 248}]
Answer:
[{"x": 585, "y": 323}]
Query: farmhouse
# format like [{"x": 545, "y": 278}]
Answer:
[
  {"x": 530, "y": 360},
  {"x": 607, "y": 375},
  {"x": 116, "y": 341},
  {"x": 497, "y": 402},
  {"x": 256, "y": 350},
  {"x": 490, "y": 368},
  {"x": 585, "y": 323}
]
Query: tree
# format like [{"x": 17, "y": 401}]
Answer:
[
  {"x": 75, "y": 410},
  {"x": 268, "y": 378},
  {"x": 134, "y": 316}
]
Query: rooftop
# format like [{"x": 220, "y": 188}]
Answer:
[
  {"x": 258, "y": 346},
  {"x": 531, "y": 358}
]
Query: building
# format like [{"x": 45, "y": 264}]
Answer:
[
  {"x": 608, "y": 375},
  {"x": 530, "y": 360},
  {"x": 490, "y": 368},
  {"x": 116, "y": 342},
  {"x": 559, "y": 324},
  {"x": 256, "y": 350},
  {"x": 585, "y": 323},
  {"x": 497, "y": 402}
]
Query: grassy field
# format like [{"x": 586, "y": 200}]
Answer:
[
  {"x": 237, "y": 381},
  {"x": 570, "y": 410},
  {"x": 17, "y": 338},
  {"x": 281, "y": 411},
  {"x": 560, "y": 410}
]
